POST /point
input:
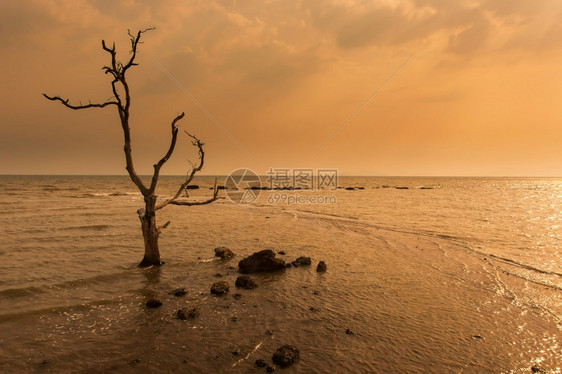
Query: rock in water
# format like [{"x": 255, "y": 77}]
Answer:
[
  {"x": 537, "y": 369},
  {"x": 193, "y": 313},
  {"x": 261, "y": 261},
  {"x": 181, "y": 314},
  {"x": 220, "y": 288},
  {"x": 179, "y": 292},
  {"x": 321, "y": 267},
  {"x": 153, "y": 303},
  {"x": 223, "y": 252},
  {"x": 246, "y": 282},
  {"x": 184, "y": 314},
  {"x": 285, "y": 356},
  {"x": 302, "y": 261}
]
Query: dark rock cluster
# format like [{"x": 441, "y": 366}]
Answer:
[{"x": 261, "y": 261}]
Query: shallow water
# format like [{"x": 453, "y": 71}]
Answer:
[{"x": 462, "y": 277}]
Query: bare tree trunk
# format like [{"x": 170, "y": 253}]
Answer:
[
  {"x": 121, "y": 99},
  {"x": 150, "y": 233}
]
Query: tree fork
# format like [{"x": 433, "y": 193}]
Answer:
[{"x": 150, "y": 231}]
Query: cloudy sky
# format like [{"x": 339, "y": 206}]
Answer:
[{"x": 385, "y": 87}]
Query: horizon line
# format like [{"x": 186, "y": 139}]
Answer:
[{"x": 262, "y": 175}]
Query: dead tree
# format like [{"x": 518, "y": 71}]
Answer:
[{"x": 121, "y": 100}]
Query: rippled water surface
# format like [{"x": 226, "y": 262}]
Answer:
[{"x": 460, "y": 275}]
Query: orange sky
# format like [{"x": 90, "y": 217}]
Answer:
[{"x": 480, "y": 95}]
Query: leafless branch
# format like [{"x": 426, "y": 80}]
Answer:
[
  {"x": 192, "y": 203},
  {"x": 160, "y": 228},
  {"x": 196, "y": 142},
  {"x": 168, "y": 154},
  {"x": 135, "y": 40},
  {"x": 76, "y": 107}
]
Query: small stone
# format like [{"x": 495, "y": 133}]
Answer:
[
  {"x": 302, "y": 261},
  {"x": 261, "y": 363},
  {"x": 349, "y": 332},
  {"x": 316, "y": 293},
  {"x": 237, "y": 296},
  {"x": 246, "y": 282},
  {"x": 153, "y": 303},
  {"x": 281, "y": 253},
  {"x": 181, "y": 314},
  {"x": 268, "y": 333},
  {"x": 313, "y": 309},
  {"x": 184, "y": 314},
  {"x": 179, "y": 292},
  {"x": 218, "y": 275},
  {"x": 270, "y": 369},
  {"x": 223, "y": 253},
  {"x": 135, "y": 361},
  {"x": 193, "y": 313},
  {"x": 537, "y": 369},
  {"x": 220, "y": 288},
  {"x": 285, "y": 355},
  {"x": 322, "y": 267},
  {"x": 234, "y": 319},
  {"x": 477, "y": 336},
  {"x": 288, "y": 265}
]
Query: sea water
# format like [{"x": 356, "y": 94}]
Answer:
[{"x": 439, "y": 275}]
